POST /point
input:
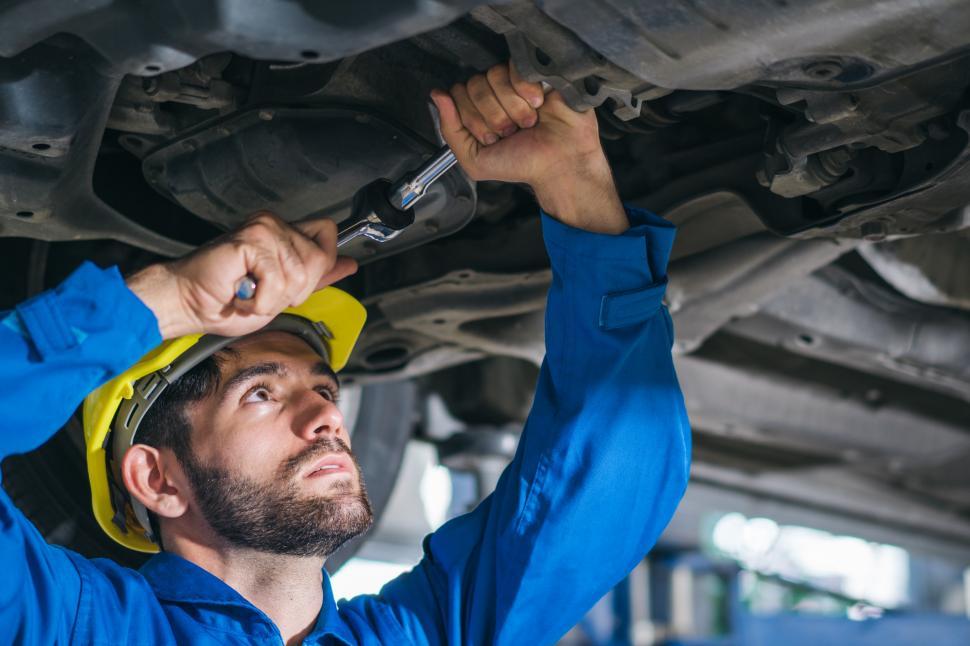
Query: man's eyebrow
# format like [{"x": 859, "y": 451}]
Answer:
[
  {"x": 323, "y": 369},
  {"x": 256, "y": 370}
]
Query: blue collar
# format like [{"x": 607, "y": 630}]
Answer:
[{"x": 178, "y": 581}]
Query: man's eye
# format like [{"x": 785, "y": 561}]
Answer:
[
  {"x": 329, "y": 393},
  {"x": 257, "y": 394}
]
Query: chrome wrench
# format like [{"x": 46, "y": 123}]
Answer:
[{"x": 382, "y": 209}]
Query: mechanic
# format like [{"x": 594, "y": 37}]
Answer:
[{"x": 241, "y": 470}]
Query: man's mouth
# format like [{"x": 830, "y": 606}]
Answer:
[{"x": 330, "y": 464}]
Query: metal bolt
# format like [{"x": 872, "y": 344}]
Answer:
[
  {"x": 823, "y": 69},
  {"x": 834, "y": 163},
  {"x": 431, "y": 226}
]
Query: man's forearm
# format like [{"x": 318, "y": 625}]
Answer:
[
  {"x": 157, "y": 288},
  {"x": 585, "y": 197}
]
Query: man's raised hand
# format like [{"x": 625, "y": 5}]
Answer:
[
  {"x": 196, "y": 294},
  {"x": 504, "y": 128}
]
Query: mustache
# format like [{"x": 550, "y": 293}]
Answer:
[{"x": 321, "y": 447}]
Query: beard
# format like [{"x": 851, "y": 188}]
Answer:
[{"x": 274, "y": 517}]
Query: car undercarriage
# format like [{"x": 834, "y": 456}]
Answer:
[{"x": 815, "y": 156}]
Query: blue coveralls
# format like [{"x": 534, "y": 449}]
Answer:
[{"x": 599, "y": 470}]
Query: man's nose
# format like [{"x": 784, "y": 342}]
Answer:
[{"x": 316, "y": 416}]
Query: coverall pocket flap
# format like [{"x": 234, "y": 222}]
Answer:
[
  {"x": 620, "y": 309},
  {"x": 45, "y": 324}
]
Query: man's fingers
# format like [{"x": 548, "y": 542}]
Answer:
[
  {"x": 450, "y": 122},
  {"x": 455, "y": 134},
  {"x": 471, "y": 117},
  {"x": 322, "y": 231},
  {"x": 286, "y": 260},
  {"x": 483, "y": 97},
  {"x": 531, "y": 92},
  {"x": 557, "y": 107},
  {"x": 325, "y": 266},
  {"x": 516, "y": 107},
  {"x": 344, "y": 267},
  {"x": 271, "y": 284}
]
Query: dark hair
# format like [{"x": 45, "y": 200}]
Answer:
[{"x": 166, "y": 425}]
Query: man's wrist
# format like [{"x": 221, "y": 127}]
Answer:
[
  {"x": 157, "y": 287},
  {"x": 584, "y": 197}
]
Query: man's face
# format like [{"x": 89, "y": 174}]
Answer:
[{"x": 271, "y": 468}]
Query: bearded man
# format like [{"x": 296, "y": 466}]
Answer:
[{"x": 224, "y": 448}]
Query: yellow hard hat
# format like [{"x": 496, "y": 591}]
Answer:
[{"x": 330, "y": 321}]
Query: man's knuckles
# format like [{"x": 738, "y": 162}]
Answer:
[
  {"x": 522, "y": 115},
  {"x": 517, "y": 107},
  {"x": 297, "y": 279},
  {"x": 475, "y": 124},
  {"x": 478, "y": 89},
  {"x": 321, "y": 231},
  {"x": 316, "y": 259},
  {"x": 263, "y": 223},
  {"x": 486, "y": 102},
  {"x": 497, "y": 74}
]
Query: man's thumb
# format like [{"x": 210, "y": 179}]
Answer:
[
  {"x": 447, "y": 113},
  {"x": 342, "y": 268},
  {"x": 455, "y": 134}
]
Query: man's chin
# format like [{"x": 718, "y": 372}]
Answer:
[
  {"x": 286, "y": 516},
  {"x": 343, "y": 499},
  {"x": 333, "y": 488}
]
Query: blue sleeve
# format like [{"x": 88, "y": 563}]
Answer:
[
  {"x": 54, "y": 349},
  {"x": 601, "y": 465}
]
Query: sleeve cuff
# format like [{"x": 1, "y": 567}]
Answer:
[
  {"x": 91, "y": 302},
  {"x": 648, "y": 241}
]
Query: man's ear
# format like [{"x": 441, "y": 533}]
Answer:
[{"x": 155, "y": 478}]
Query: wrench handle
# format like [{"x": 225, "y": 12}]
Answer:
[{"x": 396, "y": 202}]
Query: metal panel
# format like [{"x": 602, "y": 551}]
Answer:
[
  {"x": 723, "y": 44},
  {"x": 152, "y": 36},
  {"x": 299, "y": 162}
]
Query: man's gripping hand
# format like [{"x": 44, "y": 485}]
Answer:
[
  {"x": 196, "y": 294},
  {"x": 504, "y": 128}
]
